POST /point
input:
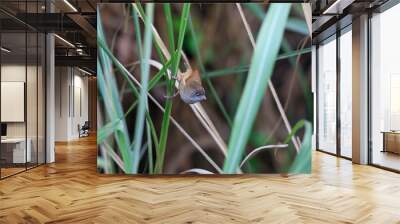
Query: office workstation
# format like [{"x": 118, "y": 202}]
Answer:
[{"x": 22, "y": 104}]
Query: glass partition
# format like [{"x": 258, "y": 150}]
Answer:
[
  {"x": 32, "y": 98},
  {"x": 327, "y": 96},
  {"x": 385, "y": 89},
  {"x": 14, "y": 145},
  {"x": 41, "y": 107},
  {"x": 346, "y": 93},
  {"x": 22, "y": 101}
]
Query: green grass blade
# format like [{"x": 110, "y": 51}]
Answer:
[
  {"x": 226, "y": 71},
  {"x": 168, "y": 106},
  {"x": 124, "y": 73},
  {"x": 208, "y": 81},
  {"x": 238, "y": 70},
  {"x": 140, "y": 8},
  {"x": 143, "y": 15},
  {"x": 163, "y": 72},
  {"x": 182, "y": 31},
  {"x": 121, "y": 137},
  {"x": 291, "y": 54},
  {"x": 149, "y": 148},
  {"x": 302, "y": 162},
  {"x": 297, "y": 25},
  {"x": 109, "y": 92},
  {"x": 145, "y": 69},
  {"x": 109, "y": 128},
  {"x": 295, "y": 129},
  {"x": 256, "y": 10},
  {"x": 137, "y": 33},
  {"x": 302, "y": 76},
  {"x": 261, "y": 68},
  {"x": 170, "y": 26},
  {"x": 129, "y": 76},
  {"x": 292, "y": 24}
]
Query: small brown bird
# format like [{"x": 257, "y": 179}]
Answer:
[{"x": 190, "y": 88}]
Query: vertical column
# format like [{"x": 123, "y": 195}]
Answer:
[
  {"x": 50, "y": 92},
  {"x": 338, "y": 91},
  {"x": 314, "y": 92},
  {"x": 360, "y": 90}
]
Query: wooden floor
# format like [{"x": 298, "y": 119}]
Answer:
[
  {"x": 387, "y": 159},
  {"x": 10, "y": 171},
  {"x": 70, "y": 191}
]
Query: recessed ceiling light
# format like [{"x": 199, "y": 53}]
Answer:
[
  {"x": 5, "y": 50},
  {"x": 84, "y": 71},
  {"x": 70, "y": 5},
  {"x": 65, "y": 41},
  {"x": 338, "y": 6}
]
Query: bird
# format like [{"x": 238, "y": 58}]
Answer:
[{"x": 190, "y": 88}]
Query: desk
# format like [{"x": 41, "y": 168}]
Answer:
[
  {"x": 391, "y": 141},
  {"x": 17, "y": 150}
]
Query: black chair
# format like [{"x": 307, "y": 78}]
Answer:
[{"x": 84, "y": 130}]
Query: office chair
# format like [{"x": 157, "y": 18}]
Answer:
[{"x": 84, "y": 130}]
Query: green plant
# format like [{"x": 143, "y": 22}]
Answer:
[
  {"x": 144, "y": 67},
  {"x": 115, "y": 144},
  {"x": 263, "y": 61},
  {"x": 175, "y": 67},
  {"x": 109, "y": 93}
]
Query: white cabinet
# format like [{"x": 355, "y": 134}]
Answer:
[{"x": 18, "y": 149}]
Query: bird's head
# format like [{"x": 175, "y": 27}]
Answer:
[{"x": 192, "y": 93}]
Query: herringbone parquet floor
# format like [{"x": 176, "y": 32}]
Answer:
[{"x": 70, "y": 191}]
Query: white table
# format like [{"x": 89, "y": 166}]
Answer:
[{"x": 19, "y": 155}]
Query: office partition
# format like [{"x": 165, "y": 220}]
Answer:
[
  {"x": 385, "y": 88},
  {"x": 334, "y": 93},
  {"x": 22, "y": 77},
  {"x": 327, "y": 95},
  {"x": 345, "y": 94}
]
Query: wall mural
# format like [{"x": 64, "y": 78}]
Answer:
[{"x": 204, "y": 88}]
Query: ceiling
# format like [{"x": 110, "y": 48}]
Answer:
[
  {"x": 330, "y": 15},
  {"x": 74, "y": 22}
]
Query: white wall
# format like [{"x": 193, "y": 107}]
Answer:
[
  {"x": 17, "y": 73},
  {"x": 12, "y": 73},
  {"x": 33, "y": 126},
  {"x": 71, "y": 102},
  {"x": 61, "y": 103}
]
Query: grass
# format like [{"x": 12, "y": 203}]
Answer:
[
  {"x": 136, "y": 155},
  {"x": 263, "y": 61},
  {"x": 175, "y": 66},
  {"x": 144, "y": 67},
  {"x": 109, "y": 93}
]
